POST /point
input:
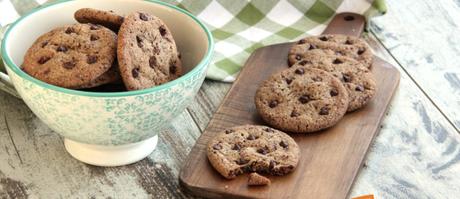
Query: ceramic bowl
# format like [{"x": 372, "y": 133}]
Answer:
[{"x": 99, "y": 127}]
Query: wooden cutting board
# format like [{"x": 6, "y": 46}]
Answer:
[{"x": 330, "y": 160}]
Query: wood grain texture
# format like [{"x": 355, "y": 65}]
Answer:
[
  {"x": 34, "y": 163},
  {"x": 330, "y": 160},
  {"x": 424, "y": 36},
  {"x": 415, "y": 155}
]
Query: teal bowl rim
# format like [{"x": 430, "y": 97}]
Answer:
[{"x": 203, "y": 63}]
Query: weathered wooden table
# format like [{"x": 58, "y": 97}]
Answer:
[{"x": 416, "y": 154}]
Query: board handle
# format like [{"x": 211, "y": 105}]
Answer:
[{"x": 346, "y": 23}]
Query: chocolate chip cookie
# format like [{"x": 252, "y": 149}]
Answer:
[
  {"x": 357, "y": 79},
  {"x": 110, "y": 76},
  {"x": 349, "y": 46},
  {"x": 147, "y": 53},
  {"x": 251, "y": 148},
  {"x": 105, "y": 18},
  {"x": 71, "y": 56},
  {"x": 301, "y": 100}
]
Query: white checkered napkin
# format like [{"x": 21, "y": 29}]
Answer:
[{"x": 241, "y": 26}]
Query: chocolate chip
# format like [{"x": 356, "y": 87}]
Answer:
[
  {"x": 337, "y": 61},
  {"x": 312, "y": 47},
  {"x": 156, "y": 50},
  {"x": 348, "y": 42},
  {"x": 270, "y": 130},
  {"x": 302, "y": 41},
  {"x": 334, "y": 92},
  {"x": 324, "y": 111},
  {"x": 44, "y": 44},
  {"x": 61, "y": 49},
  {"x": 251, "y": 137},
  {"x": 304, "y": 99},
  {"x": 153, "y": 62},
  {"x": 236, "y": 147},
  {"x": 262, "y": 151},
  {"x": 323, "y": 38},
  {"x": 162, "y": 30},
  {"x": 93, "y": 27},
  {"x": 273, "y": 104},
  {"x": 272, "y": 164},
  {"x": 139, "y": 41},
  {"x": 361, "y": 51},
  {"x": 69, "y": 65},
  {"x": 69, "y": 30},
  {"x": 242, "y": 161},
  {"x": 91, "y": 59},
  {"x": 135, "y": 72},
  {"x": 299, "y": 71},
  {"x": 294, "y": 113},
  {"x": 288, "y": 81},
  {"x": 179, "y": 55},
  {"x": 172, "y": 69},
  {"x": 217, "y": 146},
  {"x": 143, "y": 17},
  {"x": 298, "y": 57},
  {"x": 94, "y": 37},
  {"x": 359, "y": 88},
  {"x": 247, "y": 168},
  {"x": 304, "y": 62},
  {"x": 44, "y": 59},
  {"x": 228, "y": 131},
  {"x": 346, "y": 78},
  {"x": 349, "y": 18},
  {"x": 284, "y": 144}
]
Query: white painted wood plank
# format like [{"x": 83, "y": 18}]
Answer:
[
  {"x": 424, "y": 36},
  {"x": 45, "y": 170},
  {"x": 416, "y": 155}
]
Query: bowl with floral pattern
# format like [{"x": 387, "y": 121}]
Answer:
[{"x": 108, "y": 128}]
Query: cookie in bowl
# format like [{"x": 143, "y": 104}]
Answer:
[
  {"x": 147, "y": 52},
  {"x": 71, "y": 56}
]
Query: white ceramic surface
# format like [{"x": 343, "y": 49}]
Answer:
[
  {"x": 108, "y": 119},
  {"x": 108, "y": 156}
]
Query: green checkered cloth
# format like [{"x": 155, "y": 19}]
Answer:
[{"x": 241, "y": 26}]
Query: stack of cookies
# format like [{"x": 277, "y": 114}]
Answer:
[
  {"x": 329, "y": 75},
  {"x": 105, "y": 48},
  {"x": 326, "y": 77}
]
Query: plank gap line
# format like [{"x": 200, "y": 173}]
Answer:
[
  {"x": 194, "y": 120},
  {"x": 11, "y": 138}
]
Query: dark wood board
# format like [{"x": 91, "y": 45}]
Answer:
[{"x": 330, "y": 160}]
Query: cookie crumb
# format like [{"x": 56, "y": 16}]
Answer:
[{"x": 254, "y": 179}]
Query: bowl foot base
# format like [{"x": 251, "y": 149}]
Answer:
[{"x": 100, "y": 155}]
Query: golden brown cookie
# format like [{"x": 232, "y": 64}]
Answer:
[
  {"x": 147, "y": 53},
  {"x": 349, "y": 46},
  {"x": 71, "y": 56},
  {"x": 301, "y": 100},
  {"x": 252, "y": 148},
  {"x": 357, "y": 79},
  {"x": 105, "y": 18}
]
